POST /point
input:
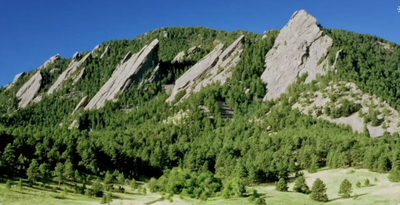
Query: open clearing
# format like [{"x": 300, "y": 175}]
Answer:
[{"x": 381, "y": 191}]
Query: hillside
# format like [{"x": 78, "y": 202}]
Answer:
[{"x": 203, "y": 113}]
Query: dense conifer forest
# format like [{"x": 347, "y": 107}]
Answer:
[{"x": 206, "y": 153}]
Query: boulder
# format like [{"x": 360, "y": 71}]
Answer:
[
  {"x": 129, "y": 72},
  {"x": 54, "y": 70},
  {"x": 179, "y": 57},
  {"x": 29, "y": 90},
  {"x": 216, "y": 66},
  {"x": 300, "y": 48},
  {"x": 72, "y": 68}
]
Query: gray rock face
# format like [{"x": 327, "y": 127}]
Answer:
[
  {"x": 129, "y": 72},
  {"x": 29, "y": 90},
  {"x": 81, "y": 104},
  {"x": 72, "y": 68},
  {"x": 16, "y": 78},
  {"x": 106, "y": 51},
  {"x": 298, "y": 49},
  {"x": 51, "y": 61},
  {"x": 180, "y": 57},
  {"x": 215, "y": 67},
  {"x": 96, "y": 48}
]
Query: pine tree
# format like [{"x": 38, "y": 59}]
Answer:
[
  {"x": 20, "y": 184},
  {"x": 367, "y": 183},
  {"x": 301, "y": 186},
  {"x": 318, "y": 191},
  {"x": 281, "y": 185},
  {"x": 33, "y": 171},
  {"x": 58, "y": 173},
  {"x": 358, "y": 184},
  {"x": 345, "y": 188},
  {"x": 8, "y": 184}
]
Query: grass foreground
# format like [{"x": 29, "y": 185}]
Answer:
[{"x": 380, "y": 191}]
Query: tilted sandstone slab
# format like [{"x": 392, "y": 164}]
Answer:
[
  {"x": 52, "y": 60},
  {"x": 180, "y": 57},
  {"x": 106, "y": 51},
  {"x": 29, "y": 90},
  {"x": 72, "y": 68},
  {"x": 212, "y": 68},
  {"x": 298, "y": 49},
  {"x": 130, "y": 72},
  {"x": 16, "y": 78}
]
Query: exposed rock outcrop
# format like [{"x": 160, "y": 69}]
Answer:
[
  {"x": 299, "y": 48},
  {"x": 81, "y": 104},
  {"x": 214, "y": 67},
  {"x": 16, "y": 78},
  {"x": 180, "y": 57},
  {"x": 130, "y": 72},
  {"x": 29, "y": 90},
  {"x": 76, "y": 62},
  {"x": 332, "y": 99},
  {"x": 106, "y": 51},
  {"x": 96, "y": 48},
  {"x": 52, "y": 60}
]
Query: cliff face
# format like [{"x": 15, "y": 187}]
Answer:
[
  {"x": 130, "y": 71},
  {"x": 299, "y": 48},
  {"x": 16, "y": 78},
  {"x": 72, "y": 68},
  {"x": 214, "y": 67},
  {"x": 29, "y": 90}
]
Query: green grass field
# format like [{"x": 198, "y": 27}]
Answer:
[{"x": 381, "y": 191}]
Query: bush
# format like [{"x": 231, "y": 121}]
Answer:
[{"x": 281, "y": 185}]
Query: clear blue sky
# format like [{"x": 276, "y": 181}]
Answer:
[{"x": 31, "y": 31}]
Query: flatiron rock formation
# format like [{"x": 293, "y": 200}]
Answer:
[
  {"x": 16, "y": 78},
  {"x": 72, "y": 68},
  {"x": 215, "y": 67},
  {"x": 29, "y": 90},
  {"x": 131, "y": 70},
  {"x": 299, "y": 48}
]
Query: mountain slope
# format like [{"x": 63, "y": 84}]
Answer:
[{"x": 130, "y": 131}]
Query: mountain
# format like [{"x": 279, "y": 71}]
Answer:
[{"x": 235, "y": 108}]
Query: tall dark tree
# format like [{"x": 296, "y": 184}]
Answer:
[{"x": 318, "y": 191}]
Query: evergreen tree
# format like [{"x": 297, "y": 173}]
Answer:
[
  {"x": 345, "y": 188},
  {"x": 33, "y": 171},
  {"x": 20, "y": 184},
  {"x": 69, "y": 171},
  {"x": 300, "y": 185},
  {"x": 358, "y": 184},
  {"x": 44, "y": 171},
  {"x": 58, "y": 173},
  {"x": 281, "y": 185},
  {"x": 8, "y": 184},
  {"x": 367, "y": 183},
  {"x": 318, "y": 191}
]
